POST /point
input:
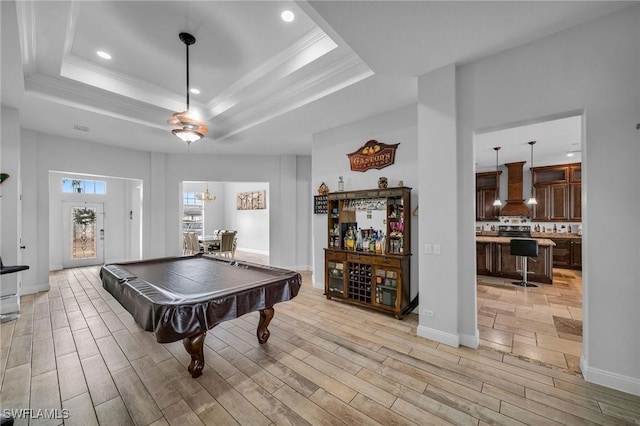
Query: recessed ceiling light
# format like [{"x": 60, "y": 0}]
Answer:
[
  {"x": 569, "y": 154},
  {"x": 103, "y": 54},
  {"x": 288, "y": 16},
  {"x": 195, "y": 91}
]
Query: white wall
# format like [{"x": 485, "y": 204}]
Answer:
[
  {"x": 10, "y": 233},
  {"x": 594, "y": 69},
  {"x": 252, "y": 226},
  {"x": 329, "y": 160},
  {"x": 161, "y": 175},
  {"x": 441, "y": 284}
]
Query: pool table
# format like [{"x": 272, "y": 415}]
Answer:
[{"x": 183, "y": 297}]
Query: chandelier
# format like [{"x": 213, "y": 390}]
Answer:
[
  {"x": 185, "y": 126},
  {"x": 205, "y": 196}
]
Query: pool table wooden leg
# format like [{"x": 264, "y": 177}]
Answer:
[
  {"x": 194, "y": 346},
  {"x": 265, "y": 318}
]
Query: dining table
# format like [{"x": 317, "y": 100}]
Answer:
[{"x": 209, "y": 240}]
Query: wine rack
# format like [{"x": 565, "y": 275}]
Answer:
[{"x": 359, "y": 285}]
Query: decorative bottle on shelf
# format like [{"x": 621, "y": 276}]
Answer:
[{"x": 359, "y": 240}]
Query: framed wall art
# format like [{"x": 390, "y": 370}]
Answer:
[{"x": 253, "y": 200}]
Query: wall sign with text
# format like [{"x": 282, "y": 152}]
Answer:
[{"x": 372, "y": 155}]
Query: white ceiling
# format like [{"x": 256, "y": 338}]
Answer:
[{"x": 266, "y": 85}]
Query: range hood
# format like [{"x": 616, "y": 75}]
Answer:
[{"x": 515, "y": 203}]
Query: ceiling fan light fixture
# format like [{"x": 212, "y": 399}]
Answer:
[{"x": 185, "y": 126}]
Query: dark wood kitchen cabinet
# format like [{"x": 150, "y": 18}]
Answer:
[
  {"x": 558, "y": 192},
  {"x": 567, "y": 253},
  {"x": 576, "y": 253},
  {"x": 487, "y": 186},
  {"x": 494, "y": 259},
  {"x": 540, "y": 269},
  {"x": 485, "y": 258}
]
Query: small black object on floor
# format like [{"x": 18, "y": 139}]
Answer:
[{"x": 524, "y": 284}]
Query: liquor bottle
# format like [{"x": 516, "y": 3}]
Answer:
[
  {"x": 379, "y": 243},
  {"x": 372, "y": 240},
  {"x": 359, "y": 240}
]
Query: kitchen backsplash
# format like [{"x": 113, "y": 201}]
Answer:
[{"x": 542, "y": 227}]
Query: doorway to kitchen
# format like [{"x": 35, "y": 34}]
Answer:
[{"x": 543, "y": 323}]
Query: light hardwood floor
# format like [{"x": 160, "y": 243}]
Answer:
[{"x": 74, "y": 347}]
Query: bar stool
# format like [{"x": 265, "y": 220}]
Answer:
[{"x": 524, "y": 248}]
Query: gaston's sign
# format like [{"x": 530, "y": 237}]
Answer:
[{"x": 372, "y": 155}]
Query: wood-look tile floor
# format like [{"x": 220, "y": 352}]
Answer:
[
  {"x": 542, "y": 324},
  {"x": 326, "y": 363}
]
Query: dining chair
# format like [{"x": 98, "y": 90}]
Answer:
[
  {"x": 227, "y": 243},
  {"x": 186, "y": 243},
  {"x": 194, "y": 244}
]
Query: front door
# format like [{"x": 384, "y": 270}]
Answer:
[{"x": 83, "y": 234}]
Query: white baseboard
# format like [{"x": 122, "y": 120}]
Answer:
[
  {"x": 439, "y": 336},
  {"x": 35, "y": 289},
  {"x": 248, "y": 250},
  {"x": 611, "y": 380},
  {"x": 55, "y": 268},
  {"x": 470, "y": 341}
]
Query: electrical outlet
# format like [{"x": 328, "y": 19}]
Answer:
[
  {"x": 427, "y": 249},
  {"x": 427, "y": 313},
  {"x": 436, "y": 249}
]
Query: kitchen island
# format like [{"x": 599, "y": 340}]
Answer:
[{"x": 493, "y": 258}]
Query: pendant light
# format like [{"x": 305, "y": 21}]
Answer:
[
  {"x": 497, "y": 202},
  {"x": 205, "y": 196},
  {"x": 532, "y": 200},
  {"x": 185, "y": 126}
]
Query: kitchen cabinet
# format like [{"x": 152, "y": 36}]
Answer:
[
  {"x": 495, "y": 259},
  {"x": 553, "y": 203},
  {"x": 485, "y": 258},
  {"x": 558, "y": 192},
  {"x": 540, "y": 269},
  {"x": 487, "y": 186},
  {"x": 575, "y": 202},
  {"x": 567, "y": 253},
  {"x": 576, "y": 253},
  {"x": 373, "y": 275}
]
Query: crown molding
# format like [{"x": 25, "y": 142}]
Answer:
[
  {"x": 81, "y": 70},
  {"x": 26, "y": 16},
  {"x": 341, "y": 73},
  {"x": 304, "y": 51},
  {"x": 76, "y": 96}
]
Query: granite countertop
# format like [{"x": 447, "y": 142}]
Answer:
[{"x": 505, "y": 240}]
